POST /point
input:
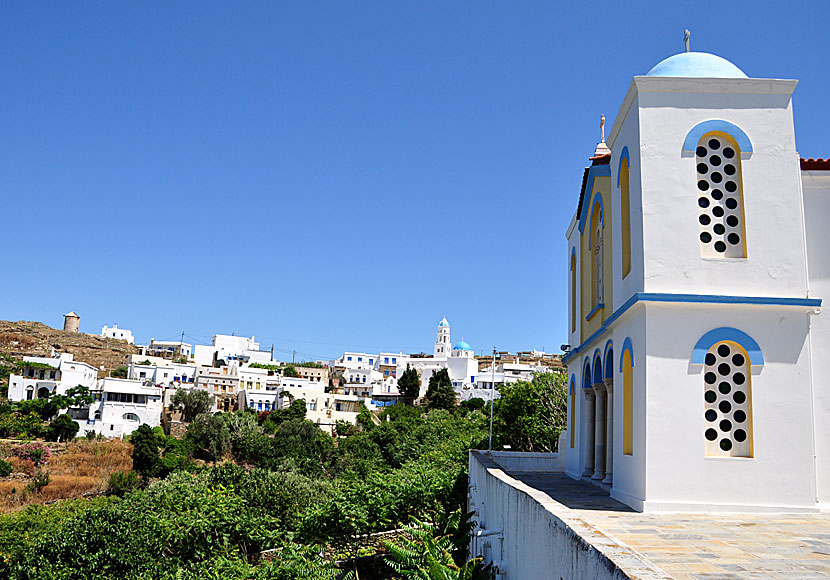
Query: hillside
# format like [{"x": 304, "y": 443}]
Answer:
[{"x": 23, "y": 338}]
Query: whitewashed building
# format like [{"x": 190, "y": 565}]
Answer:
[
  {"x": 47, "y": 376},
  {"x": 698, "y": 258},
  {"x": 230, "y": 349},
  {"x": 117, "y": 333},
  {"x": 120, "y": 406},
  {"x": 168, "y": 349}
]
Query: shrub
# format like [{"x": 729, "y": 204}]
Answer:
[
  {"x": 62, "y": 428},
  {"x": 37, "y": 453},
  {"x": 146, "y": 460},
  {"x": 121, "y": 482},
  {"x": 40, "y": 480},
  {"x": 119, "y": 372},
  {"x": 6, "y": 468}
]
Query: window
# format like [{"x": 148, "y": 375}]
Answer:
[
  {"x": 627, "y": 364},
  {"x": 625, "y": 217},
  {"x": 130, "y": 417},
  {"x": 728, "y": 401},
  {"x": 386, "y": 359},
  {"x": 97, "y": 416},
  {"x": 348, "y": 358},
  {"x": 571, "y": 429},
  {"x": 394, "y": 360},
  {"x": 360, "y": 359},
  {"x": 720, "y": 197},
  {"x": 371, "y": 361}
]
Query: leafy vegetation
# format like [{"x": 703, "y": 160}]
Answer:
[
  {"x": 530, "y": 416},
  {"x": 191, "y": 403},
  {"x": 409, "y": 385},
  {"x": 440, "y": 394}
]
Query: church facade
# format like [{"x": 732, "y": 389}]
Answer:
[{"x": 698, "y": 258}]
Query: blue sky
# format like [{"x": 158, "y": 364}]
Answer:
[{"x": 332, "y": 175}]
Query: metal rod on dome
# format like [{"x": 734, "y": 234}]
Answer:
[
  {"x": 686, "y": 36},
  {"x": 492, "y": 397}
]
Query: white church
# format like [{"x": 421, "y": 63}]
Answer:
[{"x": 698, "y": 258}]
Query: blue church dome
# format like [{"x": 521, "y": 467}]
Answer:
[
  {"x": 444, "y": 322},
  {"x": 696, "y": 65},
  {"x": 462, "y": 346}
]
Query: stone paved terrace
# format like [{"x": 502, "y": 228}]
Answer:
[{"x": 699, "y": 546}]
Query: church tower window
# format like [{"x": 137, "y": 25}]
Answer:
[
  {"x": 728, "y": 401},
  {"x": 720, "y": 197},
  {"x": 572, "y": 396},
  {"x": 625, "y": 217},
  {"x": 596, "y": 249},
  {"x": 573, "y": 291}
]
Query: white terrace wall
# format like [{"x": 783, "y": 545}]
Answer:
[{"x": 529, "y": 536}]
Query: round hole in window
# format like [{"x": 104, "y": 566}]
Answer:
[
  {"x": 728, "y": 152},
  {"x": 711, "y": 415},
  {"x": 731, "y": 187},
  {"x": 739, "y": 397},
  {"x": 723, "y": 350},
  {"x": 714, "y": 160},
  {"x": 702, "y": 168},
  {"x": 725, "y": 444},
  {"x": 710, "y": 396},
  {"x": 724, "y": 369},
  {"x": 739, "y": 416},
  {"x": 701, "y": 151},
  {"x": 717, "y": 194},
  {"x": 714, "y": 144},
  {"x": 720, "y": 247},
  {"x": 717, "y": 211},
  {"x": 731, "y": 202},
  {"x": 738, "y": 360},
  {"x": 704, "y": 219},
  {"x": 739, "y": 378},
  {"x": 733, "y": 238},
  {"x": 729, "y": 169},
  {"x": 705, "y": 237},
  {"x": 710, "y": 378},
  {"x": 740, "y": 435},
  {"x": 732, "y": 221},
  {"x": 711, "y": 434},
  {"x": 710, "y": 358},
  {"x": 703, "y": 185},
  {"x": 725, "y": 425},
  {"x": 716, "y": 177},
  {"x": 724, "y": 388},
  {"x": 703, "y": 202},
  {"x": 719, "y": 229},
  {"x": 725, "y": 406}
]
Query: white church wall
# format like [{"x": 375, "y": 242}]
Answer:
[
  {"x": 816, "y": 187},
  {"x": 669, "y": 109},
  {"x": 680, "y": 476}
]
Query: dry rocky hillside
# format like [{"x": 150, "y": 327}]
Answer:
[{"x": 22, "y": 338}]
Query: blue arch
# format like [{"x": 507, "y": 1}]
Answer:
[
  {"x": 573, "y": 381},
  {"x": 717, "y": 335},
  {"x": 699, "y": 130},
  {"x": 627, "y": 346},
  {"x": 597, "y": 200},
  {"x": 624, "y": 155},
  {"x": 573, "y": 255},
  {"x": 586, "y": 376},
  {"x": 608, "y": 359},
  {"x": 597, "y": 366}
]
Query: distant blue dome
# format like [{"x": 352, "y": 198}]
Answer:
[
  {"x": 444, "y": 322},
  {"x": 462, "y": 346},
  {"x": 696, "y": 65}
]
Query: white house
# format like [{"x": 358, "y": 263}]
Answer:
[
  {"x": 121, "y": 405},
  {"x": 230, "y": 348},
  {"x": 168, "y": 349},
  {"x": 117, "y": 333},
  {"x": 698, "y": 258},
  {"x": 46, "y": 376}
]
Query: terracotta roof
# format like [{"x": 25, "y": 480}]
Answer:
[
  {"x": 582, "y": 192},
  {"x": 815, "y": 164},
  {"x": 601, "y": 159}
]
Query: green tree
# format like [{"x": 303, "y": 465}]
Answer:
[
  {"x": 290, "y": 371},
  {"x": 210, "y": 435},
  {"x": 440, "y": 394},
  {"x": 119, "y": 372},
  {"x": 409, "y": 385},
  {"x": 191, "y": 403},
  {"x": 530, "y": 416},
  {"x": 62, "y": 428},
  {"x": 146, "y": 459}
]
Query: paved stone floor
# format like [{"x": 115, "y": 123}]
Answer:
[{"x": 702, "y": 546}]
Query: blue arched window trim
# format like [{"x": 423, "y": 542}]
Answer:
[
  {"x": 756, "y": 357},
  {"x": 597, "y": 200},
  {"x": 627, "y": 346},
  {"x": 608, "y": 357},
  {"x": 624, "y": 155},
  {"x": 699, "y": 130},
  {"x": 597, "y": 366},
  {"x": 573, "y": 256},
  {"x": 586, "y": 376}
]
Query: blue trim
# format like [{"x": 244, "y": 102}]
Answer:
[
  {"x": 594, "y": 172},
  {"x": 717, "y": 335},
  {"x": 623, "y": 155},
  {"x": 597, "y": 200},
  {"x": 573, "y": 255},
  {"x": 594, "y": 310},
  {"x": 608, "y": 360},
  {"x": 699, "y": 130},
  {"x": 586, "y": 375},
  {"x": 597, "y": 358},
  {"x": 691, "y": 298},
  {"x": 627, "y": 347}
]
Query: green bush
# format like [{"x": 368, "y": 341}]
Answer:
[
  {"x": 62, "y": 428},
  {"x": 121, "y": 482},
  {"x": 40, "y": 480},
  {"x": 6, "y": 468}
]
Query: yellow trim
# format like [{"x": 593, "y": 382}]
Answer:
[
  {"x": 739, "y": 179},
  {"x": 573, "y": 293},
  {"x": 628, "y": 404},
  {"x": 595, "y": 216},
  {"x": 625, "y": 220},
  {"x": 573, "y": 411}
]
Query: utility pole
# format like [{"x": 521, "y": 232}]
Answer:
[
  {"x": 492, "y": 397},
  {"x": 293, "y": 354},
  {"x": 272, "y": 352}
]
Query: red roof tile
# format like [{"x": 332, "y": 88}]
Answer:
[{"x": 815, "y": 164}]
